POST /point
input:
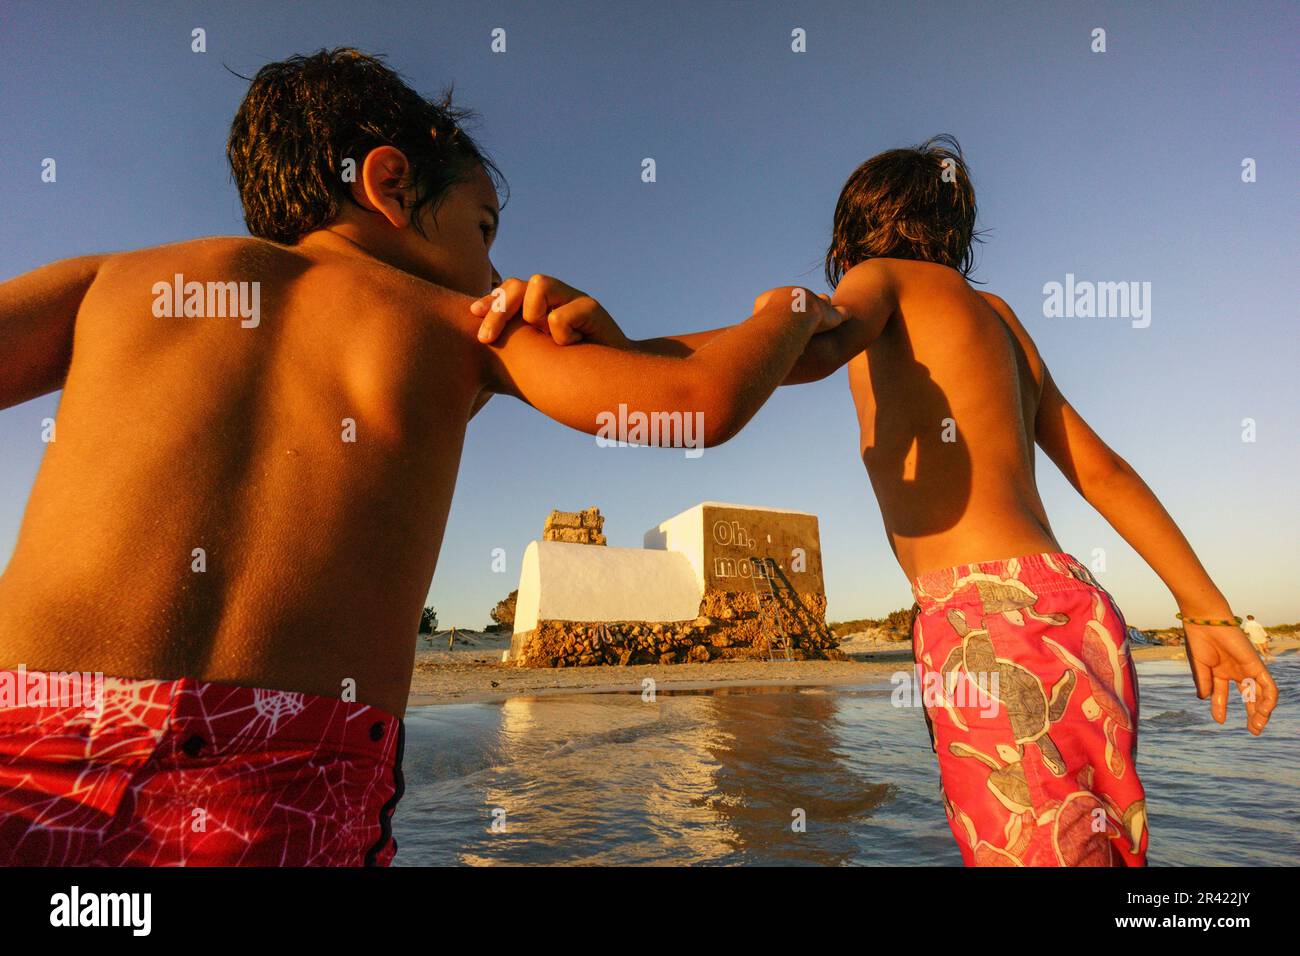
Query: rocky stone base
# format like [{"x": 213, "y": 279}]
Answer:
[{"x": 729, "y": 627}]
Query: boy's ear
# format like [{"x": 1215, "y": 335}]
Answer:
[{"x": 382, "y": 186}]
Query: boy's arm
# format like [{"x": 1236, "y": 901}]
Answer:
[
  {"x": 866, "y": 292},
  {"x": 1218, "y": 655},
  {"x": 570, "y": 316},
  {"x": 38, "y": 311},
  {"x": 726, "y": 379},
  {"x": 1119, "y": 494}
]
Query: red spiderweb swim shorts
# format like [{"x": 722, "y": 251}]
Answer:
[{"x": 188, "y": 773}]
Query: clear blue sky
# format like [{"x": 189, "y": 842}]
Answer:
[{"x": 1117, "y": 166}]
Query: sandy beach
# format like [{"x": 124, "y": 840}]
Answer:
[{"x": 473, "y": 672}]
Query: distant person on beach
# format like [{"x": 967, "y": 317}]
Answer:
[
  {"x": 951, "y": 396},
  {"x": 1258, "y": 636},
  {"x": 257, "y": 443}
]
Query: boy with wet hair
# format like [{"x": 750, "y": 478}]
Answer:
[
  {"x": 258, "y": 440},
  {"x": 1036, "y": 712}
]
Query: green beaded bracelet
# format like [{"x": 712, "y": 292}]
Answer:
[{"x": 1235, "y": 622}]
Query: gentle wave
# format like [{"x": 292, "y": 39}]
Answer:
[{"x": 718, "y": 778}]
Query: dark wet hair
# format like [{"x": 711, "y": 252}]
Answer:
[
  {"x": 303, "y": 117},
  {"x": 901, "y": 205}
]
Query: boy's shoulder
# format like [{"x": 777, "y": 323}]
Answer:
[
  {"x": 904, "y": 276},
  {"x": 908, "y": 268},
  {"x": 917, "y": 277},
  {"x": 322, "y": 278},
  {"x": 210, "y": 258},
  {"x": 902, "y": 281},
  {"x": 205, "y": 247},
  {"x": 924, "y": 283},
  {"x": 250, "y": 257}
]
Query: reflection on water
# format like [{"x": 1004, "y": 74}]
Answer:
[{"x": 719, "y": 777}]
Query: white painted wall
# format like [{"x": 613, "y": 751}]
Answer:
[
  {"x": 683, "y": 533},
  {"x": 585, "y": 582},
  {"x": 530, "y": 589}
]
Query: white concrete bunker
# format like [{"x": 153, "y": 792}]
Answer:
[{"x": 717, "y": 581}]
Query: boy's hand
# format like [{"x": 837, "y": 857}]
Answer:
[
  {"x": 1220, "y": 655},
  {"x": 548, "y": 305},
  {"x": 800, "y": 299}
]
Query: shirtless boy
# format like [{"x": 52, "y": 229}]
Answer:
[
  {"x": 241, "y": 512},
  {"x": 1035, "y": 724}
]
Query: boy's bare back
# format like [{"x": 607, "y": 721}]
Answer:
[
  {"x": 183, "y": 433},
  {"x": 947, "y": 399}
]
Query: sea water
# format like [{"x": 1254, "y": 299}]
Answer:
[{"x": 812, "y": 776}]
